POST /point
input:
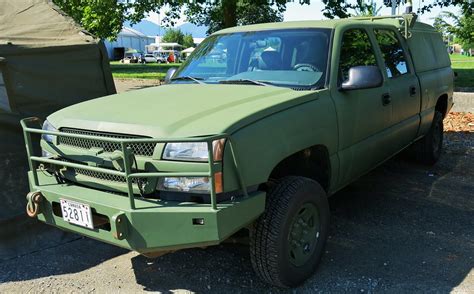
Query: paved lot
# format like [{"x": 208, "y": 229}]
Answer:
[{"x": 402, "y": 228}]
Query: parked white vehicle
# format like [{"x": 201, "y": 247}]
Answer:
[
  {"x": 161, "y": 57},
  {"x": 150, "y": 58}
]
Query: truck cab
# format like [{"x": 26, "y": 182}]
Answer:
[{"x": 257, "y": 128}]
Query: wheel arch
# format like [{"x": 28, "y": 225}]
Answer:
[
  {"x": 312, "y": 162},
  {"x": 442, "y": 104}
]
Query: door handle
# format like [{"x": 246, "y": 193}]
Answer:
[
  {"x": 412, "y": 90},
  {"x": 386, "y": 99}
]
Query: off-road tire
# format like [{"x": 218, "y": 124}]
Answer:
[
  {"x": 270, "y": 234},
  {"x": 428, "y": 149}
]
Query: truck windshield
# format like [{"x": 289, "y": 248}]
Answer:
[{"x": 288, "y": 58}]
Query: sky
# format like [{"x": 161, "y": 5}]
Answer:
[{"x": 295, "y": 11}]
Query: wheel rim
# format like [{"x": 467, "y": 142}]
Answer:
[
  {"x": 304, "y": 234},
  {"x": 437, "y": 137}
]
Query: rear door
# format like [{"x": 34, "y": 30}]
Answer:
[{"x": 404, "y": 86}]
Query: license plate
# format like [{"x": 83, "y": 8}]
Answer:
[{"x": 77, "y": 213}]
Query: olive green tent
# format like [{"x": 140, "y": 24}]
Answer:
[{"x": 47, "y": 62}]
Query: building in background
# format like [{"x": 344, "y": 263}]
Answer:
[
  {"x": 128, "y": 39},
  {"x": 145, "y": 37}
]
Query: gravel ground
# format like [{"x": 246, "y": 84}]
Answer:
[
  {"x": 402, "y": 228},
  {"x": 124, "y": 85}
]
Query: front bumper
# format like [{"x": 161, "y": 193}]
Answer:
[{"x": 153, "y": 225}]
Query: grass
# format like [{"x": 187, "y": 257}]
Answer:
[
  {"x": 464, "y": 66},
  {"x": 140, "y": 71}
]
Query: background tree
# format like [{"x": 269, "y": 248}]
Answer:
[
  {"x": 343, "y": 8},
  {"x": 102, "y": 18},
  {"x": 364, "y": 8},
  {"x": 177, "y": 36},
  {"x": 461, "y": 26},
  {"x": 105, "y": 18},
  {"x": 466, "y": 6},
  {"x": 221, "y": 14},
  {"x": 188, "y": 41},
  {"x": 173, "y": 36}
]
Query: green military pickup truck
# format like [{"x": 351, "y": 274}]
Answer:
[{"x": 255, "y": 130}]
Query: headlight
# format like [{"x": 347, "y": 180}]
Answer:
[
  {"x": 182, "y": 184},
  {"x": 47, "y": 126},
  {"x": 193, "y": 151},
  {"x": 199, "y": 185}
]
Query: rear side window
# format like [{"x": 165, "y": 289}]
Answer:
[
  {"x": 356, "y": 50},
  {"x": 392, "y": 51}
]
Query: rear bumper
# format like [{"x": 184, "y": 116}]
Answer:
[{"x": 153, "y": 225}]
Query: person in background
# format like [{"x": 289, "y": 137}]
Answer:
[{"x": 171, "y": 58}]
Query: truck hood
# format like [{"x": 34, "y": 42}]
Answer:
[{"x": 179, "y": 110}]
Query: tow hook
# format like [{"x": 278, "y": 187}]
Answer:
[{"x": 33, "y": 203}]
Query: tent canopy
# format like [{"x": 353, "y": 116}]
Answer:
[
  {"x": 47, "y": 62},
  {"x": 36, "y": 23}
]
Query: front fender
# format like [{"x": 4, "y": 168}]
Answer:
[{"x": 260, "y": 146}]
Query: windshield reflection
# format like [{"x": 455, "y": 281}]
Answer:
[{"x": 289, "y": 58}]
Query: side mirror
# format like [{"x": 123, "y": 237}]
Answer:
[
  {"x": 169, "y": 74},
  {"x": 363, "y": 77}
]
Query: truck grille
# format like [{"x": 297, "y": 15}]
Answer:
[
  {"x": 105, "y": 177},
  {"x": 140, "y": 149},
  {"x": 100, "y": 175}
]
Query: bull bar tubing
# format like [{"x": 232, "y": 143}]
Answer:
[{"x": 127, "y": 154}]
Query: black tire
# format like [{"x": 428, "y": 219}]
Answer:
[
  {"x": 270, "y": 245},
  {"x": 428, "y": 149}
]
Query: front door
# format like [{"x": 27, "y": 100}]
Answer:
[{"x": 363, "y": 115}]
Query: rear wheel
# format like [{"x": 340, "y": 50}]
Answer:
[
  {"x": 287, "y": 241},
  {"x": 428, "y": 149}
]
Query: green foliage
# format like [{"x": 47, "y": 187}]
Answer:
[
  {"x": 173, "y": 36},
  {"x": 364, "y": 8},
  {"x": 356, "y": 50},
  {"x": 460, "y": 26},
  {"x": 466, "y": 6},
  {"x": 188, "y": 41},
  {"x": 105, "y": 18},
  {"x": 140, "y": 71},
  {"x": 464, "y": 67},
  {"x": 102, "y": 18},
  {"x": 342, "y": 8},
  {"x": 221, "y": 14},
  {"x": 336, "y": 8},
  {"x": 177, "y": 36}
]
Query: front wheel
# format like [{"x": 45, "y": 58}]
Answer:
[{"x": 287, "y": 241}]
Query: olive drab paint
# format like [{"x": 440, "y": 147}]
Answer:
[{"x": 355, "y": 130}]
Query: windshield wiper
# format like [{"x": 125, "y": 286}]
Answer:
[
  {"x": 246, "y": 81},
  {"x": 189, "y": 78}
]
